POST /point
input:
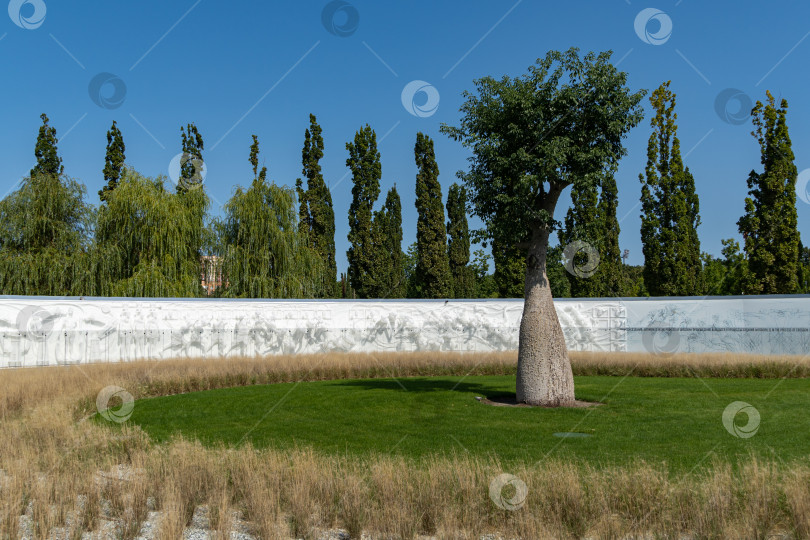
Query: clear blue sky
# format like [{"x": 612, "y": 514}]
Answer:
[{"x": 262, "y": 67}]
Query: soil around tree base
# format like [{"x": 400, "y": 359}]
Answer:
[{"x": 511, "y": 401}]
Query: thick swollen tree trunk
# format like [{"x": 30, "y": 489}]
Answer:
[{"x": 544, "y": 374}]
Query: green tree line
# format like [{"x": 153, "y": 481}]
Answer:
[{"x": 146, "y": 239}]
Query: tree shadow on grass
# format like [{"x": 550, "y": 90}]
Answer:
[{"x": 428, "y": 385}]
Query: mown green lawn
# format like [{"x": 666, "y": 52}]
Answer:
[{"x": 672, "y": 420}]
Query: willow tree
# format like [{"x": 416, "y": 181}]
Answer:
[
  {"x": 265, "y": 254},
  {"x": 45, "y": 229},
  {"x": 146, "y": 240},
  {"x": 531, "y": 136}
]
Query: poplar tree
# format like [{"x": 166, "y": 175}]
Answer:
[
  {"x": 610, "y": 272},
  {"x": 191, "y": 163},
  {"x": 458, "y": 245},
  {"x": 113, "y": 162},
  {"x": 389, "y": 261},
  {"x": 581, "y": 225},
  {"x": 769, "y": 225},
  {"x": 317, "y": 216},
  {"x": 510, "y": 270},
  {"x": 48, "y": 160},
  {"x": 364, "y": 164},
  {"x": 670, "y": 208},
  {"x": 432, "y": 266}
]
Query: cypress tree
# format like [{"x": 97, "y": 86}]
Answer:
[
  {"x": 670, "y": 208},
  {"x": 769, "y": 225},
  {"x": 316, "y": 214},
  {"x": 458, "y": 246},
  {"x": 432, "y": 267},
  {"x": 191, "y": 164},
  {"x": 114, "y": 161},
  {"x": 48, "y": 161},
  {"x": 364, "y": 164}
]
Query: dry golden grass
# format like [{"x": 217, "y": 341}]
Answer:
[{"x": 51, "y": 463}]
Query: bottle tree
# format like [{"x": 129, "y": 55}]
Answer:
[
  {"x": 769, "y": 225},
  {"x": 364, "y": 164},
  {"x": 317, "y": 216},
  {"x": 113, "y": 162},
  {"x": 432, "y": 266},
  {"x": 670, "y": 208},
  {"x": 562, "y": 123}
]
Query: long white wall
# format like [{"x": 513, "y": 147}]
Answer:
[{"x": 47, "y": 330}]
